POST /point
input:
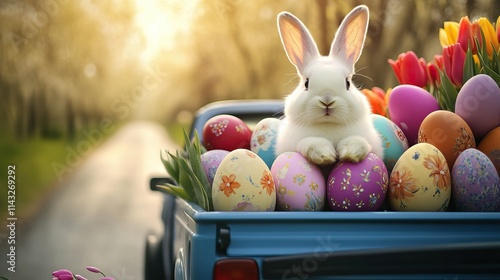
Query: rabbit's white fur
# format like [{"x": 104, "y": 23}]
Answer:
[{"x": 330, "y": 119}]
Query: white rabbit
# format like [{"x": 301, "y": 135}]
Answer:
[{"x": 327, "y": 118}]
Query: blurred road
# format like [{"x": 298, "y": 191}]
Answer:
[{"x": 102, "y": 212}]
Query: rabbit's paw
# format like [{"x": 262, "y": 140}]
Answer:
[
  {"x": 353, "y": 149},
  {"x": 317, "y": 150}
]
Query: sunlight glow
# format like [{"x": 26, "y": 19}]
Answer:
[{"x": 161, "y": 22}]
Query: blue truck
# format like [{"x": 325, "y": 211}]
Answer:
[{"x": 197, "y": 244}]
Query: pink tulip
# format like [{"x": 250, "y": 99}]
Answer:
[
  {"x": 62, "y": 272},
  {"x": 93, "y": 269}
]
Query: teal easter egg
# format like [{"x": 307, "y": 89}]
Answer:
[
  {"x": 394, "y": 140},
  {"x": 263, "y": 140}
]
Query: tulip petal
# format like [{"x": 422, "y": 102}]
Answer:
[
  {"x": 451, "y": 29},
  {"x": 411, "y": 70},
  {"x": 433, "y": 72},
  {"x": 458, "y": 62},
  {"x": 447, "y": 56},
  {"x": 396, "y": 69},
  {"x": 61, "y": 272},
  {"x": 438, "y": 60},
  {"x": 489, "y": 35},
  {"x": 93, "y": 269},
  {"x": 465, "y": 34},
  {"x": 443, "y": 38},
  {"x": 497, "y": 24}
]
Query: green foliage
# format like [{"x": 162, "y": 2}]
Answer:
[
  {"x": 34, "y": 175},
  {"x": 186, "y": 169}
]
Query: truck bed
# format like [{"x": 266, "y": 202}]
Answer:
[{"x": 277, "y": 239}]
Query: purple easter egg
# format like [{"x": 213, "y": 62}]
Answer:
[
  {"x": 358, "y": 186},
  {"x": 476, "y": 184},
  {"x": 408, "y": 107},
  {"x": 478, "y": 103},
  {"x": 210, "y": 161}
]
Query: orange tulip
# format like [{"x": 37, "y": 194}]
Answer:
[{"x": 376, "y": 98}]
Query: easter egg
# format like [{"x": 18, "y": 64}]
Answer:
[
  {"x": 478, "y": 103},
  {"x": 263, "y": 140},
  {"x": 408, "y": 106},
  {"x": 394, "y": 140},
  {"x": 490, "y": 146},
  {"x": 243, "y": 182},
  {"x": 210, "y": 160},
  {"x": 476, "y": 185},
  {"x": 420, "y": 180},
  {"x": 448, "y": 132},
  {"x": 300, "y": 185},
  {"x": 357, "y": 186},
  {"x": 226, "y": 132}
]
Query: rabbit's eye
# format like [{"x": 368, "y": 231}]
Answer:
[
  {"x": 306, "y": 84},
  {"x": 347, "y": 83}
]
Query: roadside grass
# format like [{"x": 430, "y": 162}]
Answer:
[{"x": 35, "y": 175}]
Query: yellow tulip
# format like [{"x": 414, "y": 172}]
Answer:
[
  {"x": 443, "y": 38},
  {"x": 490, "y": 35},
  {"x": 448, "y": 35}
]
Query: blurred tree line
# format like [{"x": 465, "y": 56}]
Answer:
[{"x": 62, "y": 62}]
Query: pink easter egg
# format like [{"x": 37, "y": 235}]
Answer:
[
  {"x": 408, "y": 107},
  {"x": 300, "y": 185}
]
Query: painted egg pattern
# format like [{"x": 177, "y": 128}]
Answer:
[
  {"x": 476, "y": 185},
  {"x": 300, "y": 185},
  {"x": 226, "y": 132},
  {"x": 394, "y": 140},
  {"x": 210, "y": 161},
  {"x": 358, "y": 186},
  {"x": 448, "y": 132},
  {"x": 490, "y": 146},
  {"x": 263, "y": 141},
  {"x": 243, "y": 182},
  {"x": 420, "y": 180}
]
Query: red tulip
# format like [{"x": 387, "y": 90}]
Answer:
[
  {"x": 409, "y": 69},
  {"x": 438, "y": 60},
  {"x": 466, "y": 35},
  {"x": 433, "y": 74},
  {"x": 454, "y": 60}
]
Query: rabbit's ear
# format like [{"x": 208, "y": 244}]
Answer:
[
  {"x": 350, "y": 36},
  {"x": 297, "y": 41}
]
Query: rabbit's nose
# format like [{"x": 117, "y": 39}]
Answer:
[{"x": 326, "y": 103}]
